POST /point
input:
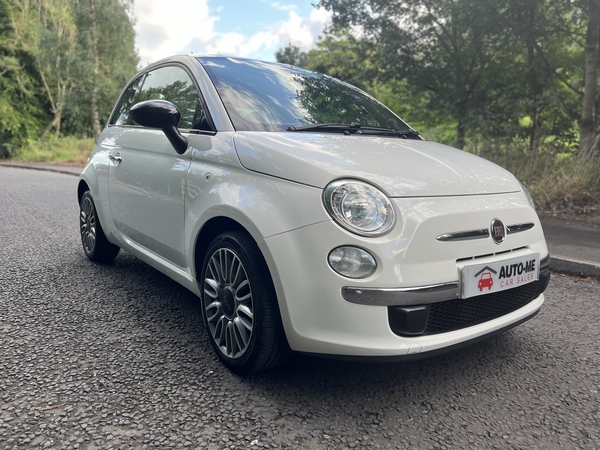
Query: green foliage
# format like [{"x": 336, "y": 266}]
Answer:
[
  {"x": 344, "y": 57},
  {"x": 47, "y": 65},
  {"x": 448, "y": 48},
  {"x": 557, "y": 181},
  {"x": 21, "y": 109},
  {"x": 117, "y": 62},
  {"x": 291, "y": 54},
  {"x": 481, "y": 66},
  {"x": 69, "y": 149}
]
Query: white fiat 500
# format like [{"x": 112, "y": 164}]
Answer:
[{"x": 307, "y": 216}]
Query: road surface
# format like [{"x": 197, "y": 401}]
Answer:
[{"x": 114, "y": 356}]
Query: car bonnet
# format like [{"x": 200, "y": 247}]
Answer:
[{"x": 401, "y": 167}]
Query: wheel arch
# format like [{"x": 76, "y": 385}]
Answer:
[
  {"x": 94, "y": 179},
  {"x": 88, "y": 180},
  {"x": 81, "y": 188},
  {"x": 210, "y": 230}
]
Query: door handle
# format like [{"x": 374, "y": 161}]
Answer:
[{"x": 116, "y": 157}]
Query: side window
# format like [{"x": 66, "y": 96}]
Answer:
[
  {"x": 174, "y": 84},
  {"x": 121, "y": 115}
]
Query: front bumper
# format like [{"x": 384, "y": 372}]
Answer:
[
  {"x": 419, "y": 295},
  {"x": 456, "y": 313},
  {"x": 420, "y": 355},
  {"x": 318, "y": 316}
]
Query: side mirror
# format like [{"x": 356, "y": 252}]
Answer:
[{"x": 164, "y": 115}]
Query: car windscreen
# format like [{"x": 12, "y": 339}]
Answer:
[{"x": 261, "y": 96}]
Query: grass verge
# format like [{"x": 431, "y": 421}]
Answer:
[
  {"x": 558, "y": 181},
  {"x": 64, "y": 150}
]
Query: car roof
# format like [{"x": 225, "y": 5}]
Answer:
[{"x": 198, "y": 56}]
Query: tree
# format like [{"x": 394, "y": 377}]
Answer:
[
  {"x": 526, "y": 68},
  {"x": 291, "y": 54},
  {"x": 96, "y": 71},
  {"x": 589, "y": 129},
  {"x": 346, "y": 58},
  {"x": 46, "y": 30},
  {"x": 562, "y": 39},
  {"x": 81, "y": 52},
  {"x": 546, "y": 42},
  {"x": 21, "y": 108},
  {"x": 106, "y": 61},
  {"x": 447, "y": 47}
]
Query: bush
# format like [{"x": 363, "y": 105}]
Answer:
[
  {"x": 69, "y": 150},
  {"x": 573, "y": 187},
  {"x": 557, "y": 181}
]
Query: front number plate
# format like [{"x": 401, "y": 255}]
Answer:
[{"x": 485, "y": 278}]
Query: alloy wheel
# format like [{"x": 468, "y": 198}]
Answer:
[
  {"x": 228, "y": 303},
  {"x": 87, "y": 222}
]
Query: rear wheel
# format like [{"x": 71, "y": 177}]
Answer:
[
  {"x": 95, "y": 245},
  {"x": 240, "y": 308}
]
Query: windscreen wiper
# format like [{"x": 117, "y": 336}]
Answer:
[
  {"x": 326, "y": 127},
  {"x": 408, "y": 134},
  {"x": 356, "y": 128}
]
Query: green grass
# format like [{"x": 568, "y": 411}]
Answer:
[
  {"x": 64, "y": 150},
  {"x": 571, "y": 187},
  {"x": 556, "y": 179}
]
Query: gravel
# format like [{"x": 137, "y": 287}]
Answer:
[{"x": 116, "y": 356}]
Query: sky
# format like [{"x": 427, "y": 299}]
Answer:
[{"x": 246, "y": 28}]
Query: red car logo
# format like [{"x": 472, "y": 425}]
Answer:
[{"x": 486, "y": 280}]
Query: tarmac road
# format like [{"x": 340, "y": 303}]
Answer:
[
  {"x": 574, "y": 247},
  {"x": 116, "y": 356}
]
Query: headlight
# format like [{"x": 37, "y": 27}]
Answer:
[
  {"x": 352, "y": 262},
  {"x": 359, "y": 207},
  {"x": 527, "y": 195}
]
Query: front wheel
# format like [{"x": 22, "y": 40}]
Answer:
[
  {"x": 240, "y": 308},
  {"x": 95, "y": 245}
]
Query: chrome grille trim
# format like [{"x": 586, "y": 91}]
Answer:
[
  {"x": 464, "y": 235},
  {"x": 400, "y": 296},
  {"x": 511, "y": 229},
  {"x": 483, "y": 233}
]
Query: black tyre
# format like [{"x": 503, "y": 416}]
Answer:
[
  {"x": 239, "y": 305},
  {"x": 95, "y": 245}
]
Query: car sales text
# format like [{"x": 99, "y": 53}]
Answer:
[{"x": 524, "y": 273}]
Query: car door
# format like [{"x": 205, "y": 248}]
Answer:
[{"x": 147, "y": 177}]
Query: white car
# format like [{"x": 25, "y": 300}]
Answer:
[{"x": 307, "y": 216}]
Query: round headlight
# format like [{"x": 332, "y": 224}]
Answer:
[{"x": 359, "y": 207}]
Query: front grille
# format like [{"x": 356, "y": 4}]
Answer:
[
  {"x": 461, "y": 313},
  {"x": 450, "y": 315}
]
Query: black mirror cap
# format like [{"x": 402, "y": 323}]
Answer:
[
  {"x": 164, "y": 115},
  {"x": 155, "y": 114}
]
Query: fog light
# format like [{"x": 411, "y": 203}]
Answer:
[{"x": 352, "y": 262}]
